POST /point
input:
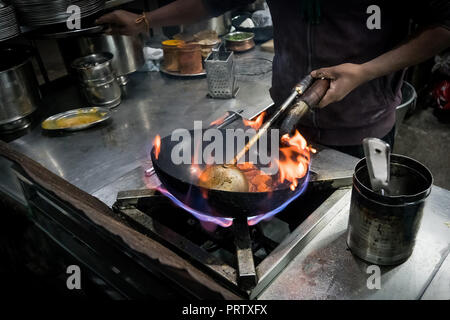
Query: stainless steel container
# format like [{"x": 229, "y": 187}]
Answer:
[
  {"x": 220, "y": 24},
  {"x": 382, "y": 228},
  {"x": 127, "y": 51},
  {"x": 98, "y": 80},
  {"x": 19, "y": 89}
]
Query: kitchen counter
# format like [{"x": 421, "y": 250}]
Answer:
[
  {"x": 326, "y": 269},
  {"x": 112, "y": 157},
  {"x": 155, "y": 104}
]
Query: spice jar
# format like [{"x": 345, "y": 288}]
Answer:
[
  {"x": 170, "y": 48},
  {"x": 190, "y": 58}
]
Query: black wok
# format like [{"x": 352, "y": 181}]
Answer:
[{"x": 179, "y": 181}]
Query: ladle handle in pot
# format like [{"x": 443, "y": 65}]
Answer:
[
  {"x": 309, "y": 99},
  {"x": 378, "y": 155},
  {"x": 300, "y": 89}
]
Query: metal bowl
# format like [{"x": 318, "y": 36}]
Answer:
[{"x": 245, "y": 43}]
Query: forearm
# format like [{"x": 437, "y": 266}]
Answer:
[
  {"x": 176, "y": 13},
  {"x": 418, "y": 49}
]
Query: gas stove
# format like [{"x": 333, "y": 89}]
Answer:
[{"x": 243, "y": 258}]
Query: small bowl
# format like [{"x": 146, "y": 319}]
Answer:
[{"x": 239, "y": 41}]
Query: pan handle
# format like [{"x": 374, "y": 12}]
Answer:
[
  {"x": 309, "y": 100},
  {"x": 316, "y": 92}
]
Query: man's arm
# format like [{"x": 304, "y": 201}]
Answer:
[
  {"x": 175, "y": 13},
  {"x": 346, "y": 77}
]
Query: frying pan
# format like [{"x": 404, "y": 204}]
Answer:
[
  {"x": 183, "y": 185},
  {"x": 179, "y": 181}
]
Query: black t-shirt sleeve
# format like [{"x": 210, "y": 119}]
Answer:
[
  {"x": 433, "y": 12},
  {"x": 218, "y": 7}
]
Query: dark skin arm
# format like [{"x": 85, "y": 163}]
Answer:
[
  {"x": 175, "y": 13},
  {"x": 348, "y": 76}
]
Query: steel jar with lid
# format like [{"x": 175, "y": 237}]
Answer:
[
  {"x": 98, "y": 80},
  {"x": 382, "y": 228}
]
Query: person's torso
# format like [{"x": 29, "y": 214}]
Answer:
[{"x": 341, "y": 36}]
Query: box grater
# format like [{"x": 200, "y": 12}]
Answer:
[{"x": 220, "y": 74}]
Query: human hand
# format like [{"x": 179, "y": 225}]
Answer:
[
  {"x": 343, "y": 79},
  {"x": 123, "y": 22}
]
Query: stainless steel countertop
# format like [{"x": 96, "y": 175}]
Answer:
[
  {"x": 110, "y": 158},
  {"x": 326, "y": 269},
  {"x": 156, "y": 104}
]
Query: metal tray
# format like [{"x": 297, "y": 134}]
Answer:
[
  {"x": 104, "y": 113},
  {"x": 181, "y": 75}
]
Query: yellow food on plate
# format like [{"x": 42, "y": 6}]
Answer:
[{"x": 70, "y": 122}]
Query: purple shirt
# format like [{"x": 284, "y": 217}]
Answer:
[{"x": 342, "y": 36}]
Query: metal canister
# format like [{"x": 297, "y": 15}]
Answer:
[
  {"x": 98, "y": 80},
  {"x": 382, "y": 228},
  {"x": 19, "y": 89},
  {"x": 128, "y": 54},
  {"x": 190, "y": 58},
  {"x": 170, "y": 48}
]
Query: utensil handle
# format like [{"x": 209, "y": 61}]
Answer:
[
  {"x": 229, "y": 119},
  {"x": 265, "y": 127},
  {"x": 309, "y": 99},
  {"x": 299, "y": 89},
  {"x": 316, "y": 92},
  {"x": 377, "y": 154}
]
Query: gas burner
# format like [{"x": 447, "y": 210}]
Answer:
[{"x": 243, "y": 258}]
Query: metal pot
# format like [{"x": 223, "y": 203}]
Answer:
[
  {"x": 97, "y": 79},
  {"x": 220, "y": 24},
  {"x": 127, "y": 51},
  {"x": 19, "y": 89},
  {"x": 382, "y": 228}
]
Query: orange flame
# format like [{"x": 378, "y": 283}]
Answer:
[
  {"x": 293, "y": 163},
  {"x": 258, "y": 181},
  {"x": 294, "y": 159},
  {"x": 256, "y": 123},
  {"x": 157, "y": 144},
  {"x": 219, "y": 121}
]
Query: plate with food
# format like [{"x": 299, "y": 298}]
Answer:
[{"x": 76, "y": 119}]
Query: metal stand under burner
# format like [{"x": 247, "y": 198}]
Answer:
[
  {"x": 242, "y": 258},
  {"x": 247, "y": 278}
]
